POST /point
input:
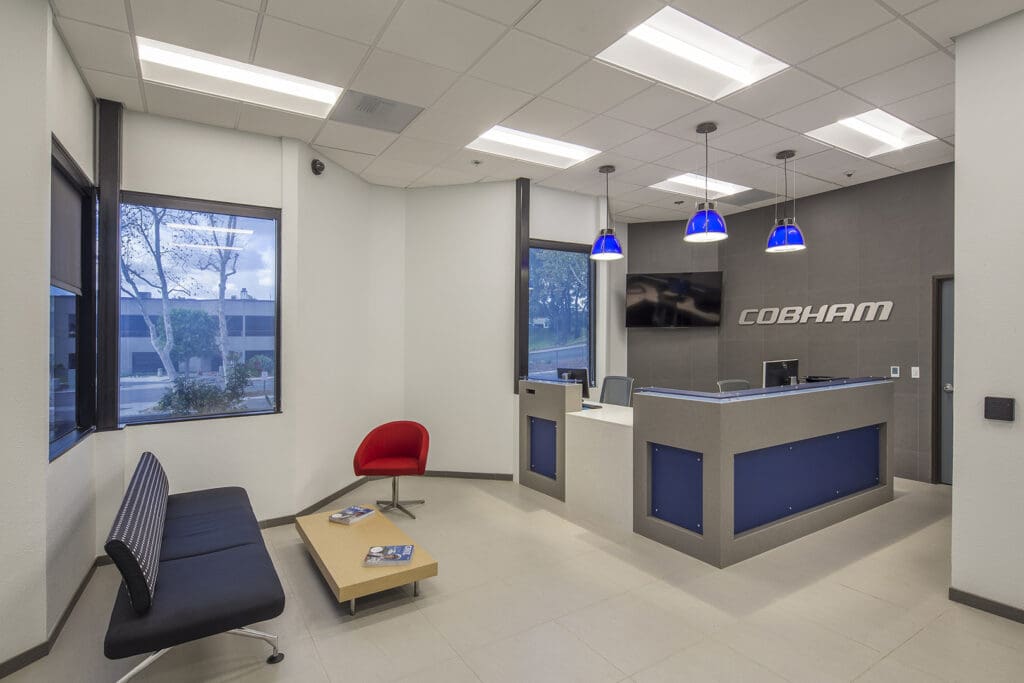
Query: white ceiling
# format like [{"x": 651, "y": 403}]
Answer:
[{"x": 528, "y": 64}]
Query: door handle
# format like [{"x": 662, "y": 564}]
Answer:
[{"x": 948, "y": 387}]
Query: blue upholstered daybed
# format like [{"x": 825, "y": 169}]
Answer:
[{"x": 194, "y": 565}]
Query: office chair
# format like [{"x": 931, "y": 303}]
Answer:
[
  {"x": 392, "y": 450},
  {"x": 733, "y": 385},
  {"x": 617, "y": 390}
]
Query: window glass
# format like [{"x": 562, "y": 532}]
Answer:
[
  {"x": 63, "y": 347},
  {"x": 197, "y": 275},
  {"x": 559, "y": 320}
]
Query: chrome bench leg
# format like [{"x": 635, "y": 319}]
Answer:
[
  {"x": 143, "y": 665},
  {"x": 247, "y": 632}
]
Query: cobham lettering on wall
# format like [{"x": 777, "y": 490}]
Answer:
[{"x": 866, "y": 312}]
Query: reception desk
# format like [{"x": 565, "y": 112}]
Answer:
[
  {"x": 599, "y": 465},
  {"x": 726, "y": 476}
]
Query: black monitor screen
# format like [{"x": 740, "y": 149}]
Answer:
[
  {"x": 778, "y": 372},
  {"x": 674, "y": 299},
  {"x": 579, "y": 375}
]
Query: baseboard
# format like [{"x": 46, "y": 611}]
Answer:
[
  {"x": 468, "y": 475},
  {"x": 985, "y": 605},
  {"x": 290, "y": 519},
  {"x": 30, "y": 655}
]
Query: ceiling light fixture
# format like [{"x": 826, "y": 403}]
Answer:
[
  {"x": 871, "y": 133},
  {"x": 680, "y": 51},
  {"x": 607, "y": 246},
  {"x": 707, "y": 225},
  {"x": 181, "y": 67},
  {"x": 786, "y": 235},
  {"x": 690, "y": 184},
  {"x": 536, "y": 149}
]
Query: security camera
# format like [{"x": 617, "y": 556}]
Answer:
[{"x": 317, "y": 166}]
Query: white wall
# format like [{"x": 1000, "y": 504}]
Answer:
[
  {"x": 460, "y": 276},
  {"x": 988, "y": 462},
  {"x": 69, "y": 105},
  {"x": 24, "y": 215}
]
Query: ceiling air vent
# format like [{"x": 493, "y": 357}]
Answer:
[{"x": 371, "y": 111}]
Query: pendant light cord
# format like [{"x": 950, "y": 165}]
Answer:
[
  {"x": 706, "y": 170},
  {"x": 785, "y": 181},
  {"x": 794, "y": 190},
  {"x": 607, "y": 204}
]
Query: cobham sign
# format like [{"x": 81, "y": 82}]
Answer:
[{"x": 868, "y": 311}]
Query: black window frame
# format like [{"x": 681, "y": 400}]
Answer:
[
  {"x": 62, "y": 162},
  {"x": 524, "y": 321},
  {"x": 112, "y": 251}
]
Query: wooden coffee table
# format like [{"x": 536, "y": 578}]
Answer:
[{"x": 339, "y": 551}]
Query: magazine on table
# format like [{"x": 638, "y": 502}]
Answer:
[
  {"x": 386, "y": 555},
  {"x": 352, "y": 514}
]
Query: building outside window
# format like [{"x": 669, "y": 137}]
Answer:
[
  {"x": 63, "y": 347},
  {"x": 191, "y": 280},
  {"x": 560, "y": 323}
]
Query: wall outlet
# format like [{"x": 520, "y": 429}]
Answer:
[
  {"x": 894, "y": 371},
  {"x": 915, "y": 372}
]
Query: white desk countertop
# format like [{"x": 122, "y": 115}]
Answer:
[{"x": 621, "y": 415}]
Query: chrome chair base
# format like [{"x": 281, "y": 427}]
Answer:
[{"x": 395, "y": 503}]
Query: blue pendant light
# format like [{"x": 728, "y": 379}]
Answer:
[
  {"x": 606, "y": 246},
  {"x": 707, "y": 225},
  {"x": 786, "y": 235}
]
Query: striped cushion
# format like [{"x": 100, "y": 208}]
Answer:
[{"x": 135, "y": 538}]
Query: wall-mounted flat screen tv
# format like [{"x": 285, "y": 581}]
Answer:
[{"x": 674, "y": 299}]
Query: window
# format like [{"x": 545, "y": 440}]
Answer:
[
  {"x": 72, "y": 379},
  {"x": 560, "y": 323},
  {"x": 191, "y": 272}
]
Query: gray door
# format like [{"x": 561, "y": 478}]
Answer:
[{"x": 946, "y": 381}]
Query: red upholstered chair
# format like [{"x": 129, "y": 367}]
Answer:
[{"x": 392, "y": 450}]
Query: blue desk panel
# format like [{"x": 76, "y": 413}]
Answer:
[
  {"x": 543, "y": 447},
  {"x": 779, "y": 481},
  {"x": 677, "y": 486}
]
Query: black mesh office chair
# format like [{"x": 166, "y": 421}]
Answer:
[
  {"x": 617, "y": 390},
  {"x": 733, "y": 384}
]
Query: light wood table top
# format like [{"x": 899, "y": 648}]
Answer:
[{"x": 339, "y": 551}]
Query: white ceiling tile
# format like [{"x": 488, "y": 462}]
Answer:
[
  {"x": 386, "y": 181},
  {"x": 562, "y": 181},
  {"x": 587, "y": 26},
  {"x": 484, "y": 99},
  {"x": 457, "y": 128},
  {"x": 647, "y": 175},
  {"x": 926, "y": 105},
  {"x": 777, "y": 93},
  {"x": 444, "y": 176},
  {"x": 801, "y": 144},
  {"x": 247, "y": 4},
  {"x": 205, "y": 25},
  {"x": 692, "y": 159},
  {"x": 743, "y": 171},
  {"x": 842, "y": 168},
  {"x": 547, "y": 117},
  {"x": 423, "y": 152},
  {"x": 906, "y": 6},
  {"x": 734, "y": 17},
  {"x": 400, "y": 78},
  {"x": 815, "y": 26},
  {"x": 652, "y": 146},
  {"x": 920, "y": 75},
  {"x": 603, "y": 133},
  {"x": 184, "y": 104},
  {"x": 820, "y": 112},
  {"x": 656, "y": 106},
  {"x": 354, "y": 19},
  {"x": 352, "y": 161},
  {"x": 354, "y": 138},
  {"x": 305, "y": 52},
  {"x": 121, "y": 89},
  {"x": 439, "y": 34},
  {"x": 946, "y": 19},
  {"x": 727, "y": 119},
  {"x": 646, "y": 212},
  {"x": 527, "y": 63},
  {"x": 505, "y": 11},
  {"x": 919, "y": 156},
  {"x": 109, "y": 13},
  {"x": 277, "y": 123},
  {"x": 943, "y": 126},
  {"x": 596, "y": 87},
  {"x": 646, "y": 195},
  {"x": 95, "y": 47},
  {"x": 749, "y": 138},
  {"x": 497, "y": 168},
  {"x": 399, "y": 172},
  {"x": 876, "y": 51},
  {"x": 806, "y": 186}
]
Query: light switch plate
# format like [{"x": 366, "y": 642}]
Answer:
[
  {"x": 915, "y": 372},
  {"x": 894, "y": 371}
]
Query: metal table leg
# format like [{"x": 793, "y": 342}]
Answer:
[{"x": 352, "y": 606}]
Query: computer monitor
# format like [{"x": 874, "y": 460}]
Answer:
[
  {"x": 776, "y": 373},
  {"x": 577, "y": 375}
]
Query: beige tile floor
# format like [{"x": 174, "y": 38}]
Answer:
[{"x": 527, "y": 593}]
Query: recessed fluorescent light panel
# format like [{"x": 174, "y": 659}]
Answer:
[
  {"x": 676, "y": 49},
  {"x": 537, "y": 149},
  {"x": 871, "y": 133},
  {"x": 183, "y": 68},
  {"x": 692, "y": 185}
]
